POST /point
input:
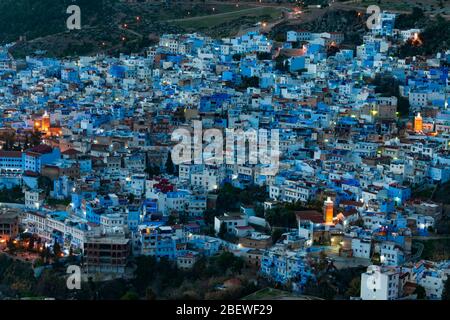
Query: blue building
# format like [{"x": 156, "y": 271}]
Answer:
[{"x": 399, "y": 193}]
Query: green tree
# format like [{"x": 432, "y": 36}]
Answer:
[
  {"x": 152, "y": 171},
  {"x": 31, "y": 244},
  {"x": 35, "y": 139},
  {"x": 354, "y": 288},
  {"x": 281, "y": 217},
  {"x": 19, "y": 276},
  {"x": 237, "y": 57},
  {"x": 57, "y": 249},
  {"x": 276, "y": 235},
  {"x": 12, "y": 247},
  {"x": 45, "y": 184},
  {"x": 249, "y": 82},
  {"x": 228, "y": 261},
  {"x": 51, "y": 285},
  {"x": 130, "y": 295},
  {"x": 112, "y": 290},
  {"x": 222, "y": 230},
  {"x": 322, "y": 264},
  {"x": 150, "y": 294},
  {"x": 144, "y": 272},
  {"x": 446, "y": 292},
  {"x": 376, "y": 259},
  {"x": 170, "y": 168},
  {"x": 420, "y": 292}
]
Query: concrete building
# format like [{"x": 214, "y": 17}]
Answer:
[{"x": 379, "y": 283}]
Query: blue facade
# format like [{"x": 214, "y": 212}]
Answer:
[{"x": 399, "y": 193}]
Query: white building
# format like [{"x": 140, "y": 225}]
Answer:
[
  {"x": 391, "y": 254},
  {"x": 379, "y": 283},
  {"x": 361, "y": 248},
  {"x": 230, "y": 222},
  {"x": 34, "y": 199}
]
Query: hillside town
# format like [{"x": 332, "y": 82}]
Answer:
[{"x": 87, "y": 170}]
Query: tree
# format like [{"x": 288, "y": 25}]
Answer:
[
  {"x": 35, "y": 139},
  {"x": 144, "y": 272},
  {"x": 222, "y": 230},
  {"x": 276, "y": 235},
  {"x": 281, "y": 217},
  {"x": 14, "y": 195},
  {"x": 321, "y": 289},
  {"x": 323, "y": 261},
  {"x": 332, "y": 50},
  {"x": 281, "y": 63},
  {"x": 236, "y": 57},
  {"x": 227, "y": 261},
  {"x": 249, "y": 82},
  {"x": 10, "y": 141},
  {"x": 45, "y": 254},
  {"x": 420, "y": 292},
  {"x": 150, "y": 294},
  {"x": 11, "y": 246},
  {"x": 31, "y": 244},
  {"x": 171, "y": 220},
  {"x": 354, "y": 288},
  {"x": 51, "y": 285},
  {"x": 209, "y": 215},
  {"x": 18, "y": 276},
  {"x": 45, "y": 184},
  {"x": 446, "y": 292},
  {"x": 152, "y": 170},
  {"x": 112, "y": 290},
  {"x": 170, "y": 168},
  {"x": 376, "y": 259},
  {"x": 403, "y": 106},
  {"x": 130, "y": 295},
  {"x": 56, "y": 249},
  {"x": 434, "y": 38},
  {"x": 264, "y": 56},
  {"x": 408, "y": 21}
]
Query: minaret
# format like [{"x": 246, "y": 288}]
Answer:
[
  {"x": 418, "y": 123},
  {"x": 45, "y": 122},
  {"x": 328, "y": 208}
]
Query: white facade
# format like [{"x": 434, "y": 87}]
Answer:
[
  {"x": 379, "y": 284},
  {"x": 361, "y": 248}
]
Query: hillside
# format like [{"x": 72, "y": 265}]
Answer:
[{"x": 114, "y": 26}]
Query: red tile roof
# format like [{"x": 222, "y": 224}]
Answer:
[
  {"x": 41, "y": 149},
  {"x": 311, "y": 215},
  {"x": 10, "y": 154}
]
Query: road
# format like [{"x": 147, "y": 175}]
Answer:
[
  {"x": 269, "y": 25},
  {"x": 121, "y": 27},
  {"x": 215, "y": 15}
]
